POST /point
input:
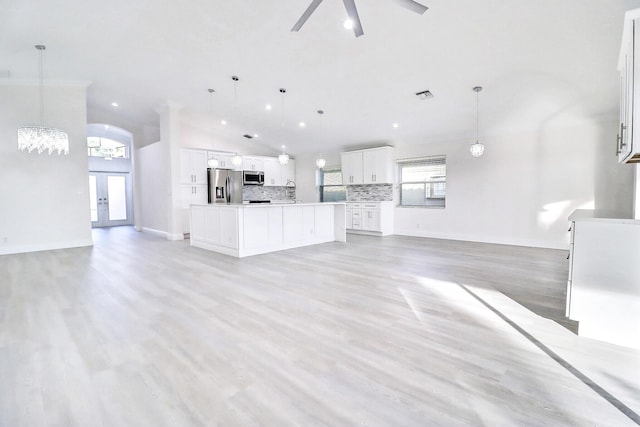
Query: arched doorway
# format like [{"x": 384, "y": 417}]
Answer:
[{"x": 110, "y": 182}]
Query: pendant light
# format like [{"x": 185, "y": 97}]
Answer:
[
  {"x": 213, "y": 162},
  {"x": 320, "y": 161},
  {"x": 283, "y": 158},
  {"x": 237, "y": 159},
  {"x": 42, "y": 138},
  {"x": 477, "y": 149}
]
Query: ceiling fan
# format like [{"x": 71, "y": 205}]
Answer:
[{"x": 352, "y": 13}]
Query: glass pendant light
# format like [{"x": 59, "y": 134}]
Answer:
[
  {"x": 477, "y": 149},
  {"x": 42, "y": 138},
  {"x": 320, "y": 162},
  {"x": 284, "y": 157}
]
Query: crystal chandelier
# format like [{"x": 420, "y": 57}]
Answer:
[
  {"x": 477, "y": 149},
  {"x": 42, "y": 138}
]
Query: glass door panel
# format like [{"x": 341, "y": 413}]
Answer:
[{"x": 110, "y": 199}]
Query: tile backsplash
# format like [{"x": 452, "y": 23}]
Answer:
[
  {"x": 259, "y": 192},
  {"x": 370, "y": 193}
]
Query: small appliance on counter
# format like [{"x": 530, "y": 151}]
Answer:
[
  {"x": 225, "y": 186},
  {"x": 253, "y": 178}
]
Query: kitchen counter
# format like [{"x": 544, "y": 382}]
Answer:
[
  {"x": 603, "y": 290},
  {"x": 242, "y": 230}
]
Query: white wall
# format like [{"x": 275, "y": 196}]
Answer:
[
  {"x": 523, "y": 188},
  {"x": 154, "y": 185},
  {"x": 44, "y": 200},
  {"x": 307, "y": 176}
]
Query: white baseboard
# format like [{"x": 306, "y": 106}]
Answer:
[
  {"x": 532, "y": 243},
  {"x": 19, "y": 249},
  {"x": 163, "y": 234}
]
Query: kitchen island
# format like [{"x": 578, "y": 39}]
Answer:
[
  {"x": 603, "y": 290},
  {"x": 242, "y": 230}
]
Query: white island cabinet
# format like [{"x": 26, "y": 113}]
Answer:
[
  {"x": 245, "y": 230},
  {"x": 603, "y": 291}
]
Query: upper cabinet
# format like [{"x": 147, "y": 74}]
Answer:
[
  {"x": 277, "y": 175},
  {"x": 225, "y": 160},
  {"x": 628, "y": 150},
  {"x": 372, "y": 166},
  {"x": 352, "y": 168},
  {"x": 253, "y": 164},
  {"x": 193, "y": 166}
]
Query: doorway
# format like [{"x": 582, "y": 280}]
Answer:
[{"x": 110, "y": 199}]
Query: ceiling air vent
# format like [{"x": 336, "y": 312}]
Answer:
[
  {"x": 246, "y": 135},
  {"x": 425, "y": 94}
]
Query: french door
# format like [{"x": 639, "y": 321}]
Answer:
[{"x": 110, "y": 199}]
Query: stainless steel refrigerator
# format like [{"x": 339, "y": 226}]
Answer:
[{"x": 225, "y": 186}]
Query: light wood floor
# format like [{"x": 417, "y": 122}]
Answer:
[{"x": 394, "y": 331}]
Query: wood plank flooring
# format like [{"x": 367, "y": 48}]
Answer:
[{"x": 392, "y": 331}]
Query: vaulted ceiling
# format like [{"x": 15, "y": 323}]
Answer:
[{"x": 541, "y": 63}]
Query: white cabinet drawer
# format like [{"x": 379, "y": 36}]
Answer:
[{"x": 371, "y": 206}]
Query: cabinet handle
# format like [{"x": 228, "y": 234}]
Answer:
[
  {"x": 569, "y": 229},
  {"x": 569, "y": 256},
  {"x": 622, "y": 143}
]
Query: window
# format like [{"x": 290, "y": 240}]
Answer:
[
  {"x": 331, "y": 188},
  {"x": 107, "y": 148},
  {"x": 423, "y": 181}
]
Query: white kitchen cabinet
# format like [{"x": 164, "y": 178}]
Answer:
[
  {"x": 272, "y": 172},
  {"x": 193, "y": 166},
  {"x": 288, "y": 172},
  {"x": 245, "y": 230},
  {"x": 193, "y": 194},
  {"x": 374, "y": 218},
  {"x": 225, "y": 160},
  {"x": 371, "y": 166},
  {"x": 371, "y": 216},
  {"x": 377, "y": 166},
  {"x": 352, "y": 168},
  {"x": 628, "y": 139},
  {"x": 252, "y": 163},
  {"x": 277, "y": 175}
]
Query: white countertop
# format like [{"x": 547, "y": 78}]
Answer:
[
  {"x": 263, "y": 205},
  {"x": 600, "y": 215}
]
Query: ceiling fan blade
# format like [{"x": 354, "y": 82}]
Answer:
[
  {"x": 352, "y": 12},
  {"x": 413, "y": 6},
  {"x": 307, "y": 13}
]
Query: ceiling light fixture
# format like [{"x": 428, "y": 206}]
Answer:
[
  {"x": 396, "y": 125},
  {"x": 320, "y": 161},
  {"x": 268, "y": 107},
  {"x": 302, "y": 124},
  {"x": 348, "y": 24},
  {"x": 42, "y": 138},
  {"x": 477, "y": 149},
  {"x": 213, "y": 162},
  {"x": 114, "y": 104},
  {"x": 283, "y": 158}
]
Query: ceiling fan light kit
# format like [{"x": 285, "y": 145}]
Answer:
[{"x": 353, "y": 19}]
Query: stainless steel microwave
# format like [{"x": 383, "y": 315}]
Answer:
[{"x": 252, "y": 178}]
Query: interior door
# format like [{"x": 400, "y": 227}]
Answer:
[{"x": 110, "y": 199}]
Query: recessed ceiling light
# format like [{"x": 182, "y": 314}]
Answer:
[
  {"x": 348, "y": 24},
  {"x": 255, "y": 135},
  {"x": 302, "y": 124},
  {"x": 268, "y": 107},
  {"x": 395, "y": 125},
  {"x": 223, "y": 122},
  {"x": 114, "y": 104}
]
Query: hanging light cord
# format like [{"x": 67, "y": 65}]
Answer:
[
  {"x": 41, "y": 48},
  {"x": 477, "y": 115},
  {"x": 211, "y": 114}
]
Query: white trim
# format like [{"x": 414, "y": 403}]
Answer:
[
  {"x": 163, "y": 234},
  {"x": 532, "y": 243},
  {"x": 49, "y": 83},
  {"x": 8, "y": 250}
]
